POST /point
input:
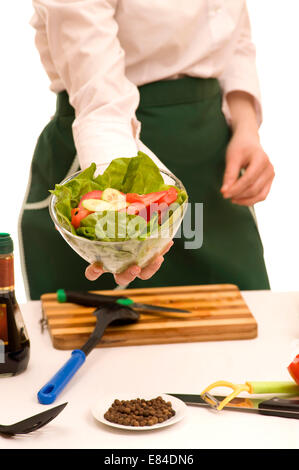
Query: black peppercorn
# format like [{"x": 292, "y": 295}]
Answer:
[{"x": 139, "y": 412}]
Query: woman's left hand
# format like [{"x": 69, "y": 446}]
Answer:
[
  {"x": 245, "y": 152},
  {"x": 93, "y": 271}
]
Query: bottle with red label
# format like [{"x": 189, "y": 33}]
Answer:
[{"x": 14, "y": 341}]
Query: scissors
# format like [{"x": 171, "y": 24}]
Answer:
[{"x": 100, "y": 300}]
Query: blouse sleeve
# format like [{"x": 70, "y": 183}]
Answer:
[
  {"x": 240, "y": 73},
  {"x": 85, "y": 53}
]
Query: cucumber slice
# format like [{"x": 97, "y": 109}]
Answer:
[
  {"x": 97, "y": 205},
  {"x": 113, "y": 195},
  {"x": 118, "y": 205}
]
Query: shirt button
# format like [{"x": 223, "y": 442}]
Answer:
[{"x": 215, "y": 11}]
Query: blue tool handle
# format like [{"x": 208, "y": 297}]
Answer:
[{"x": 49, "y": 392}]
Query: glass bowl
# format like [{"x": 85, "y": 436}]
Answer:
[{"x": 116, "y": 256}]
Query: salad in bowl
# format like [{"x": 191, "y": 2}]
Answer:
[{"x": 119, "y": 214}]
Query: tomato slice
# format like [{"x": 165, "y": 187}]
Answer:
[
  {"x": 293, "y": 369},
  {"x": 96, "y": 194},
  {"x": 167, "y": 197},
  {"x": 138, "y": 208},
  {"x": 77, "y": 215},
  {"x": 132, "y": 197},
  {"x": 170, "y": 196},
  {"x": 145, "y": 199}
]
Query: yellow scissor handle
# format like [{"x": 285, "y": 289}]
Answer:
[{"x": 237, "y": 388}]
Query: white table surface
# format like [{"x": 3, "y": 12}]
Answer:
[{"x": 174, "y": 368}]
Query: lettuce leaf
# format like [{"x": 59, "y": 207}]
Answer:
[
  {"x": 63, "y": 207},
  {"x": 142, "y": 176},
  {"x": 114, "y": 175}
]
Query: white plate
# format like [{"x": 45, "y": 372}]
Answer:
[{"x": 104, "y": 403}]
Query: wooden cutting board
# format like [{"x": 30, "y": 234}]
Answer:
[{"x": 218, "y": 312}]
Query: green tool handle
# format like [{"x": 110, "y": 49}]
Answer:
[
  {"x": 125, "y": 302},
  {"x": 273, "y": 387},
  {"x": 91, "y": 300}
]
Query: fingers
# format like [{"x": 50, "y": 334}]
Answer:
[
  {"x": 151, "y": 268},
  {"x": 259, "y": 164},
  {"x": 167, "y": 248},
  {"x": 250, "y": 201},
  {"x": 232, "y": 170},
  {"x": 127, "y": 276},
  {"x": 93, "y": 271},
  {"x": 135, "y": 271},
  {"x": 255, "y": 183},
  {"x": 258, "y": 185}
]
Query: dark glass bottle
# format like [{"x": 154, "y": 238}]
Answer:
[{"x": 14, "y": 341}]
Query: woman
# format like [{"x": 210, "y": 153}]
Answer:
[{"x": 177, "y": 80}]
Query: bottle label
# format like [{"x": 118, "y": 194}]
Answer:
[
  {"x": 7, "y": 273},
  {"x": 2, "y": 352},
  {"x": 20, "y": 323},
  {"x": 3, "y": 324}
]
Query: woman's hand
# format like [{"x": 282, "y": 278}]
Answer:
[
  {"x": 95, "y": 270},
  {"x": 245, "y": 153}
]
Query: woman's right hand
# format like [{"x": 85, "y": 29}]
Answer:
[{"x": 95, "y": 270}]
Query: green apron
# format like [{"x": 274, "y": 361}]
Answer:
[{"x": 182, "y": 123}]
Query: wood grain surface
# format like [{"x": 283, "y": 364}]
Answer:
[{"x": 218, "y": 312}]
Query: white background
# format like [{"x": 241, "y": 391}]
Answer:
[{"x": 27, "y": 104}]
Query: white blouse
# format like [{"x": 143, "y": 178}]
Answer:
[{"x": 101, "y": 50}]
